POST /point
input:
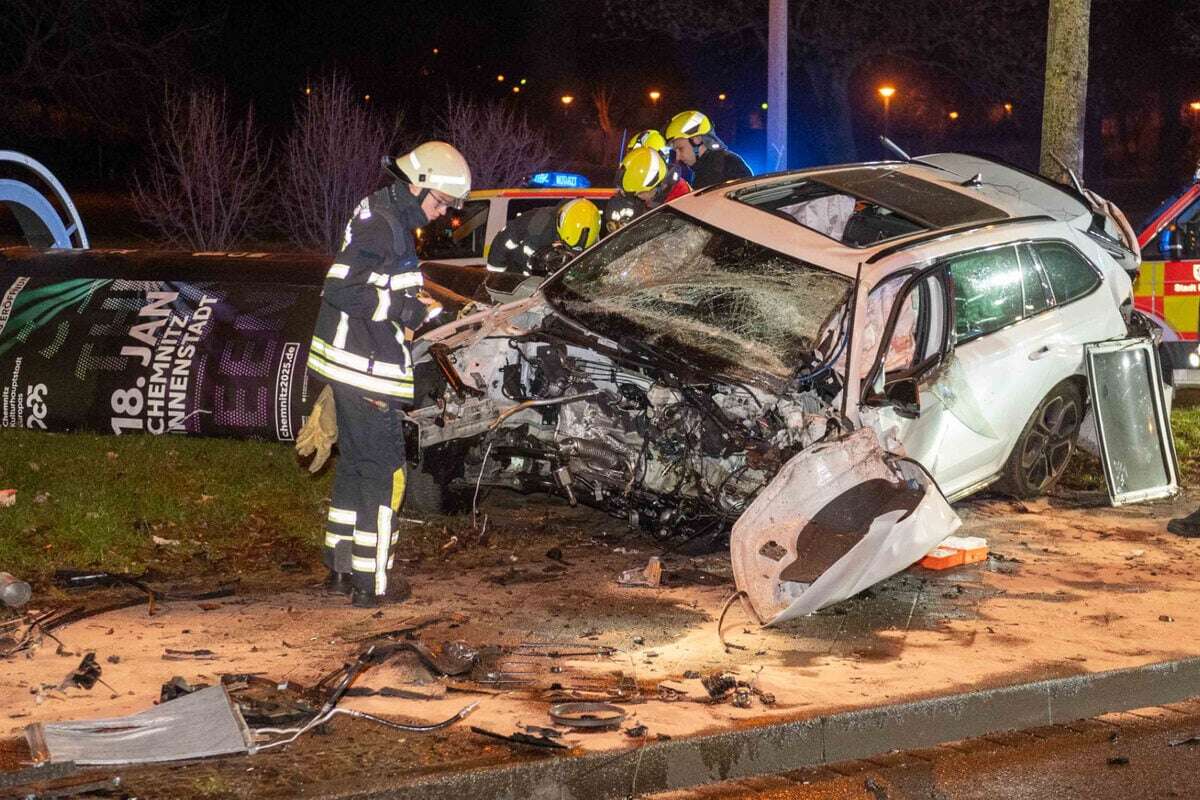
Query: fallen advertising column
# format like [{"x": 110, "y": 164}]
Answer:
[{"x": 129, "y": 341}]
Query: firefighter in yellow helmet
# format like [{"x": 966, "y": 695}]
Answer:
[
  {"x": 649, "y": 138},
  {"x": 536, "y": 242},
  {"x": 371, "y": 303},
  {"x": 644, "y": 181},
  {"x": 696, "y": 144}
]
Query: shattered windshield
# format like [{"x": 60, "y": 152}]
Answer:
[{"x": 710, "y": 296}]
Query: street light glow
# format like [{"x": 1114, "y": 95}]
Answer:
[
  {"x": 953, "y": 115},
  {"x": 500, "y": 79},
  {"x": 886, "y": 92},
  {"x": 524, "y": 81},
  {"x": 1008, "y": 108},
  {"x": 516, "y": 90},
  {"x": 1194, "y": 105},
  {"x": 655, "y": 94},
  {"x": 567, "y": 99},
  {"x": 308, "y": 90},
  {"x": 366, "y": 98},
  {"x": 721, "y": 97},
  {"x": 763, "y": 106}
]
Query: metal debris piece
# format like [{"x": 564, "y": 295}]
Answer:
[
  {"x": 85, "y": 676},
  {"x": 719, "y": 684},
  {"x": 649, "y": 576},
  {"x": 198, "y": 725},
  {"x": 587, "y": 715},
  {"x": 1118, "y": 761},
  {"x": 538, "y": 730},
  {"x": 636, "y": 732},
  {"x": 742, "y": 698},
  {"x": 177, "y": 687},
  {"x": 521, "y": 738},
  {"x": 187, "y": 655},
  {"x": 1194, "y": 739}
]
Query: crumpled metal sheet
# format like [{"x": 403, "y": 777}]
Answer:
[
  {"x": 198, "y": 725},
  {"x": 837, "y": 519}
]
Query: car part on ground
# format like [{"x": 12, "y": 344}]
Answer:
[
  {"x": 1132, "y": 421},
  {"x": 837, "y": 519}
]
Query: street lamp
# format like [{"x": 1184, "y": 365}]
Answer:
[
  {"x": 953, "y": 115},
  {"x": 500, "y": 78},
  {"x": 886, "y": 91},
  {"x": 654, "y": 95},
  {"x": 1194, "y": 105},
  {"x": 566, "y": 99},
  {"x": 516, "y": 90},
  {"x": 721, "y": 97}
]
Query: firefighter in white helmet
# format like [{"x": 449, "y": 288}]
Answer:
[{"x": 371, "y": 304}]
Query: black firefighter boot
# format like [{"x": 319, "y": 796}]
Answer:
[
  {"x": 398, "y": 591},
  {"x": 338, "y": 582}
]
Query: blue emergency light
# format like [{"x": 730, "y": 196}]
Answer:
[{"x": 559, "y": 180}]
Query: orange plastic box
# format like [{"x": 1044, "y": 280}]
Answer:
[
  {"x": 973, "y": 548},
  {"x": 942, "y": 558}
]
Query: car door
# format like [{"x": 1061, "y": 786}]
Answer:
[{"x": 1022, "y": 313}]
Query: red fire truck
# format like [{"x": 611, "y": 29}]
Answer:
[{"x": 1168, "y": 284}]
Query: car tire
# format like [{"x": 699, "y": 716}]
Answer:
[
  {"x": 1044, "y": 449},
  {"x": 429, "y": 485}
]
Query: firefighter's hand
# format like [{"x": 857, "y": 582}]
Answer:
[
  {"x": 320, "y": 433},
  {"x": 432, "y": 307}
]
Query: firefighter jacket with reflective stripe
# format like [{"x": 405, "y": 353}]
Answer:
[
  {"x": 370, "y": 298},
  {"x": 514, "y": 247},
  {"x": 718, "y": 165}
]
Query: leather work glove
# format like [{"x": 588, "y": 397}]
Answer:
[
  {"x": 319, "y": 433},
  {"x": 432, "y": 307}
]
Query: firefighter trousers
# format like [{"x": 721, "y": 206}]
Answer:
[{"x": 368, "y": 487}]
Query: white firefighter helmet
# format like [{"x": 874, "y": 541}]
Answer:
[{"x": 437, "y": 166}]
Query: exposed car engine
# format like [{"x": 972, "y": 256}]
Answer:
[{"x": 552, "y": 412}]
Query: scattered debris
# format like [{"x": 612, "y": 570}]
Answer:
[
  {"x": 8, "y": 498},
  {"x": 161, "y": 542},
  {"x": 877, "y": 792},
  {"x": 177, "y": 687},
  {"x": 742, "y": 697},
  {"x": 556, "y": 554},
  {"x": 84, "y": 676},
  {"x": 721, "y": 621},
  {"x": 1193, "y": 739},
  {"x": 538, "y": 730},
  {"x": 521, "y": 738},
  {"x": 691, "y": 675},
  {"x": 1118, "y": 761},
  {"x": 198, "y": 725},
  {"x": 185, "y": 655},
  {"x": 450, "y": 546},
  {"x": 718, "y": 685},
  {"x": 592, "y": 716},
  {"x": 638, "y": 731},
  {"x": 649, "y": 576},
  {"x": 955, "y": 551},
  {"x": 14, "y": 591},
  {"x": 1165, "y": 618}
]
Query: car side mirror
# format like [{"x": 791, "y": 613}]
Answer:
[{"x": 903, "y": 396}]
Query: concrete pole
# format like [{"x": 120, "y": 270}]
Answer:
[{"x": 777, "y": 71}]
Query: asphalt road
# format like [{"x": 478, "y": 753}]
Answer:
[{"x": 1115, "y": 757}]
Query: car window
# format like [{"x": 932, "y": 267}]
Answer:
[
  {"x": 460, "y": 233},
  {"x": 988, "y": 291},
  {"x": 518, "y": 206},
  {"x": 1070, "y": 275},
  {"x": 1035, "y": 288}
]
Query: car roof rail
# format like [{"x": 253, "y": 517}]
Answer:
[{"x": 935, "y": 235}]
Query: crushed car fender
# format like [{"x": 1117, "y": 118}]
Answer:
[{"x": 837, "y": 519}]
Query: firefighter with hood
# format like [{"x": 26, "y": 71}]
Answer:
[
  {"x": 696, "y": 144},
  {"x": 372, "y": 302},
  {"x": 644, "y": 181},
  {"x": 539, "y": 241}
]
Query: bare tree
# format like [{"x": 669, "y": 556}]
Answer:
[
  {"x": 986, "y": 41},
  {"x": 204, "y": 182},
  {"x": 1065, "y": 99},
  {"x": 331, "y": 161},
  {"x": 95, "y": 58},
  {"x": 499, "y": 144}
]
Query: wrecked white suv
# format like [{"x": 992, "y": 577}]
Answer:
[{"x": 818, "y": 359}]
